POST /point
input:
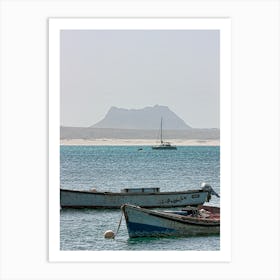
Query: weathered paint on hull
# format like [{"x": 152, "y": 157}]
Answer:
[
  {"x": 81, "y": 199},
  {"x": 146, "y": 223}
]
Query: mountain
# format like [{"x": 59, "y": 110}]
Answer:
[{"x": 146, "y": 118}]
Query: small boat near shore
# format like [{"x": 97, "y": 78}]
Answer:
[
  {"x": 144, "y": 197},
  {"x": 141, "y": 222}
]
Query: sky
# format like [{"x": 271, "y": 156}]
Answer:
[{"x": 134, "y": 69}]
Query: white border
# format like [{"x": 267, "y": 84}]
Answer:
[
  {"x": 24, "y": 172},
  {"x": 55, "y": 26}
]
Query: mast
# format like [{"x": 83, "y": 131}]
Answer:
[{"x": 161, "y": 131}]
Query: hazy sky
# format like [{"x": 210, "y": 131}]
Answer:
[{"x": 139, "y": 68}]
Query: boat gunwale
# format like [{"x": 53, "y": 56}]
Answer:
[
  {"x": 169, "y": 216},
  {"x": 134, "y": 193}
]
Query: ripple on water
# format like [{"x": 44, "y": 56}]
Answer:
[{"x": 113, "y": 168}]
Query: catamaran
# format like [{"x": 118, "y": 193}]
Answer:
[{"x": 163, "y": 144}]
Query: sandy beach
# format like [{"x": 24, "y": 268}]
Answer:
[{"x": 136, "y": 142}]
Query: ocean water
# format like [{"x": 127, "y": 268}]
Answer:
[{"x": 111, "y": 168}]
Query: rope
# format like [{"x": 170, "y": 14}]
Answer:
[{"x": 119, "y": 225}]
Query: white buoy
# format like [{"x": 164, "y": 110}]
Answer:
[{"x": 109, "y": 234}]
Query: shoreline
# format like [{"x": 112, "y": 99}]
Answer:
[{"x": 137, "y": 142}]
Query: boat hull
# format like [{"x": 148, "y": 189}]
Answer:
[
  {"x": 81, "y": 199},
  {"x": 164, "y": 148},
  {"x": 149, "y": 223}
]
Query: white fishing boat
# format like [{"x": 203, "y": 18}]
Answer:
[
  {"x": 145, "y": 197},
  {"x": 202, "y": 220},
  {"x": 163, "y": 144}
]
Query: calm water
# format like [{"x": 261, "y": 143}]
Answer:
[{"x": 110, "y": 168}]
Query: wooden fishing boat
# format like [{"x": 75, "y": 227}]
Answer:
[
  {"x": 202, "y": 220},
  {"x": 145, "y": 197}
]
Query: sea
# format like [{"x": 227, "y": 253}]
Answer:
[{"x": 111, "y": 168}]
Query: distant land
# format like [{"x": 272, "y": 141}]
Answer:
[
  {"x": 114, "y": 133},
  {"x": 146, "y": 118},
  {"x": 144, "y": 123}
]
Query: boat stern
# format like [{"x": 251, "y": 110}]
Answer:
[{"x": 140, "y": 223}]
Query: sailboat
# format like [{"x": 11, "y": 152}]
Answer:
[{"x": 163, "y": 144}]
